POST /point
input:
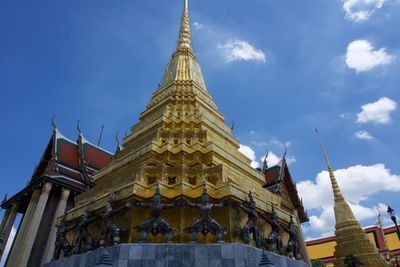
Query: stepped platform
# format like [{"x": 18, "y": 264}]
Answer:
[{"x": 175, "y": 255}]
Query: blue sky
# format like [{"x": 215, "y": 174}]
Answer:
[{"x": 276, "y": 68}]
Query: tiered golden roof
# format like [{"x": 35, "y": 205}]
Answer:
[{"x": 181, "y": 141}]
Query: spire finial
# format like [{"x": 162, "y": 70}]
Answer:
[
  {"x": 184, "y": 33},
  {"x": 379, "y": 221},
  {"x": 336, "y": 191},
  {"x": 53, "y": 123}
]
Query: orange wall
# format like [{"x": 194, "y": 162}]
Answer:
[
  {"x": 320, "y": 251},
  {"x": 392, "y": 241}
]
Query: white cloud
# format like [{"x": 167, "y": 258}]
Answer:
[
  {"x": 358, "y": 183},
  {"x": 362, "y": 56},
  {"x": 8, "y": 246},
  {"x": 363, "y": 135},
  {"x": 361, "y": 10},
  {"x": 198, "y": 25},
  {"x": 249, "y": 152},
  {"x": 345, "y": 115},
  {"x": 260, "y": 144},
  {"x": 238, "y": 50},
  {"x": 279, "y": 143},
  {"x": 377, "y": 112},
  {"x": 273, "y": 159},
  {"x": 272, "y": 143}
]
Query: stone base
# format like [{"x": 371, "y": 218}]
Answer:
[{"x": 174, "y": 255}]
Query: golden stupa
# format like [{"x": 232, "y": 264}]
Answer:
[
  {"x": 350, "y": 237},
  {"x": 181, "y": 142}
]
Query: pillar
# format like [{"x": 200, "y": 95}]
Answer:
[
  {"x": 4, "y": 220},
  {"x": 34, "y": 226},
  {"x": 51, "y": 242},
  {"x": 7, "y": 227},
  {"x": 23, "y": 228},
  {"x": 303, "y": 243}
]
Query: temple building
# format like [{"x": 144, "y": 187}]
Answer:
[
  {"x": 64, "y": 171},
  {"x": 177, "y": 178},
  {"x": 279, "y": 181}
]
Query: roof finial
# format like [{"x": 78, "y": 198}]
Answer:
[
  {"x": 285, "y": 154},
  {"x": 265, "y": 164},
  {"x": 4, "y": 199},
  {"x": 101, "y": 134},
  {"x": 117, "y": 141},
  {"x": 53, "y": 123},
  {"x": 78, "y": 127},
  {"x": 184, "y": 33},
  {"x": 336, "y": 191}
]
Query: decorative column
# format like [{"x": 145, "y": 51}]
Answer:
[
  {"x": 303, "y": 243},
  {"x": 22, "y": 230},
  {"x": 4, "y": 220},
  {"x": 51, "y": 242},
  {"x": 25, "y": 252},
  {"x": 8, "y": 224}
]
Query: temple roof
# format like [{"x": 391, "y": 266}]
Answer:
[
  {"x": 66, "y": 163},
  {"x": 279, "y": 175}
]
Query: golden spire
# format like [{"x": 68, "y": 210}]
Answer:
[
  {"x": 336, "y": 190},
  {"x": 350, "y": 237},
  {"x": 183, "y": 65},
  {"x": 184, "y": 33}
]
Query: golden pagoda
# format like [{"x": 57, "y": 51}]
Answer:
[
  {"x": 350, "y": 237},
  {"x": 179, "y": 144}
]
